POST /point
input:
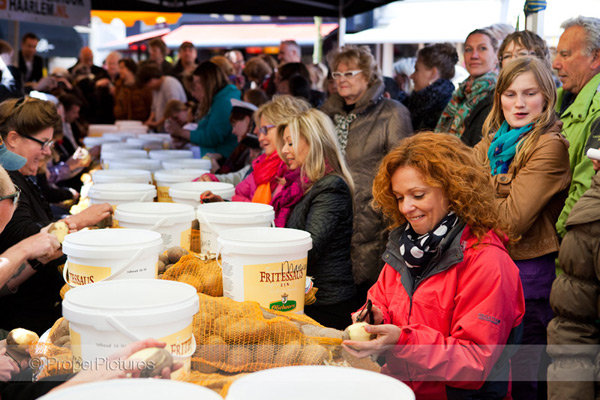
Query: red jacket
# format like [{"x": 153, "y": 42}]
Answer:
[{"x": 457, "y": 321}]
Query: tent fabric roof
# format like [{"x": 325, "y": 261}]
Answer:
[
  {"x": 324, "y": 8},
  {"x": 244, "y": 35},
  {"x": 123, "y": 44}
]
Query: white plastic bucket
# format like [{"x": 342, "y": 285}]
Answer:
[
  {"x": 267, "y": 265},
  {"x": 318, "y": 383},
  {"x": 151, "y": 141},
  {"x": 187, "y": 163},
  {"x": 126, "y": 389},
  {"x": 217, "y": 217},
  {"x": 121, "y": 176},
  {"x": 108, "y": 157},
  {"x": 189, "y": 192},
  {"x": 117, "y": 146},
  {"x": 122, "y": 136},
  {"x": 163, "y": 155},
  {"x": 93, "y": 141},
  {"x": 121, "y": 193},
  {"x": 100, "y": 129},
  {"x": 172, "y": 221},
  {"x": 128, "y": 122},
  {"x": 166, "y": 177},
  {"x": 136, "y": 163},
  {"x": 106, "y": 316},
  {"x": 108, "y": 254}
]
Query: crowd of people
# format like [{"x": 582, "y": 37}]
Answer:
[{"x": 443, "y": 206}]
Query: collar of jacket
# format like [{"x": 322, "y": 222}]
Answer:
[
  {"x": 586, "y": 208},
  {"x": 371, "y": 97},
  {"x": 441, "y": 262},
  {"x": 581, "y": 106}
]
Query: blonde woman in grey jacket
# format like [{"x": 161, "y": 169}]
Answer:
[{"x": 368, "y": 127}]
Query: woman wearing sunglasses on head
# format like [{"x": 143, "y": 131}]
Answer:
[
  {"x": 368, "y": 126},
  {"x": 270, "y": 181},
  {"x": 27, "y": 126}
]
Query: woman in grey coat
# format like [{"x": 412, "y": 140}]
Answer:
[{"x": 368, "y": 127}]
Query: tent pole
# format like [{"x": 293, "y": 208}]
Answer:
[
  {"x": 341, "y": 24},
  {"x": 13, "y": 36}
]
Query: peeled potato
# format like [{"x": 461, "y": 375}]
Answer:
[
  {"x": 21, "y": 339},
  {"x": 59, "y": 230},
  {"x": 358, "y": 333},
  {"x": 155, "y": 359}
]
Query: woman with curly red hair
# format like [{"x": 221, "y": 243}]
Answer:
[{"x": 449, "y": 298}]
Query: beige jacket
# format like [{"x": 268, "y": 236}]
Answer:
[
  {"x": 380, "y": 125},
  {"x": 531, "y": 198}
]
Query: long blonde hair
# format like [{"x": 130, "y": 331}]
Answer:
[
  {"x": 318, "y": 131},
  {"x": 546, "y": 120}
]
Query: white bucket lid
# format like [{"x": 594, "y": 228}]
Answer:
[
  {"x": 178, "y": 175},
  {"x": 122, "y": 191},
  {"x": 121, "y": 175},
  {"x": 121, "y": 135},
  {"x": 117, "y": 146},
  {"x": 318, "y": 382},
  {"x": 126, "y": 389},
  {"x": 134, "y": 122},
  {"x": 138, "y": 163},
  {"x": 110, "y": 243},
  {"x": 235, "y": 212},
  {"x": 124, "y": 154},
  {"x": 150, "y": 213},
  {"x": 193, "y": 190},
  {"x": 187, "y": 163},
  {"x": 263, "y": 240},
  {"x": 137, "y": 302},
  {"x": 142, "y": 140},
  {"x": 170, "y": 154},
  {"x": 91, "y": 141}
]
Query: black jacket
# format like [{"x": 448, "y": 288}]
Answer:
[
  {"x": 36, "y": 304},
  {"x": 474, "y": 121},
  {"x": 37, "y": 70},
  {"x": 325, "y": 211}
]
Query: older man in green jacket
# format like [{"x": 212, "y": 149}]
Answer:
[{"x": 578, "y": 65}]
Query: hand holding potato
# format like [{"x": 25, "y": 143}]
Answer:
[
  {"x": 90, "y": 216},
  {"x": 8, "y": 367},
  {"x": 386, "y": 338},
  {"x": 210, "y": 197},
  {"x": 42, "y": 246}
]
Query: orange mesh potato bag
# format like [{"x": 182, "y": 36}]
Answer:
[
  {"x": 241, "y": 337},
  {"x": 205, "y": 276}
]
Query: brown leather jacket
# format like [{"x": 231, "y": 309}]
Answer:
[{"x": 531, "y": 198}]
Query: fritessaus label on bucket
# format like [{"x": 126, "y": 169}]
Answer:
[
  {"x": 76, "y": 349},
  {"x": 84, "y": 274},
  {"x": 276, "y": 286},
  {"x": 180, "y": 344},
  {"x": 208, "y": 239},
  {"x": 186, "y": 239},
  {"x": 163, "y": 194}
]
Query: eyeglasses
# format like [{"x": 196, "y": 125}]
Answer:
[
  {"x": 519, "y": 54},
  {"x": 347, "y": 74},
  {"x": 264, "y": 129},
  {"x": 45, "y": 145},
  {"x": 15, "y": 196}
]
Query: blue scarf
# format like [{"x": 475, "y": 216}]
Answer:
[{"x": 504, "y": 147}]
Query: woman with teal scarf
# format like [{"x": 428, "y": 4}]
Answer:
[{"x": 527, "y": 157}]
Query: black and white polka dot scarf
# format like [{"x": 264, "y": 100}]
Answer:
[{"x": 417, "y": 250}]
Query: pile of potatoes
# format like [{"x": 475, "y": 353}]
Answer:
[
  {"x": 59, "y": 334},
  {"x": 241, "y": 338},
  {"x": 168, "y": 259}
]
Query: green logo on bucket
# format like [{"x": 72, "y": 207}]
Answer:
[{"x": 284, "y": 304}]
